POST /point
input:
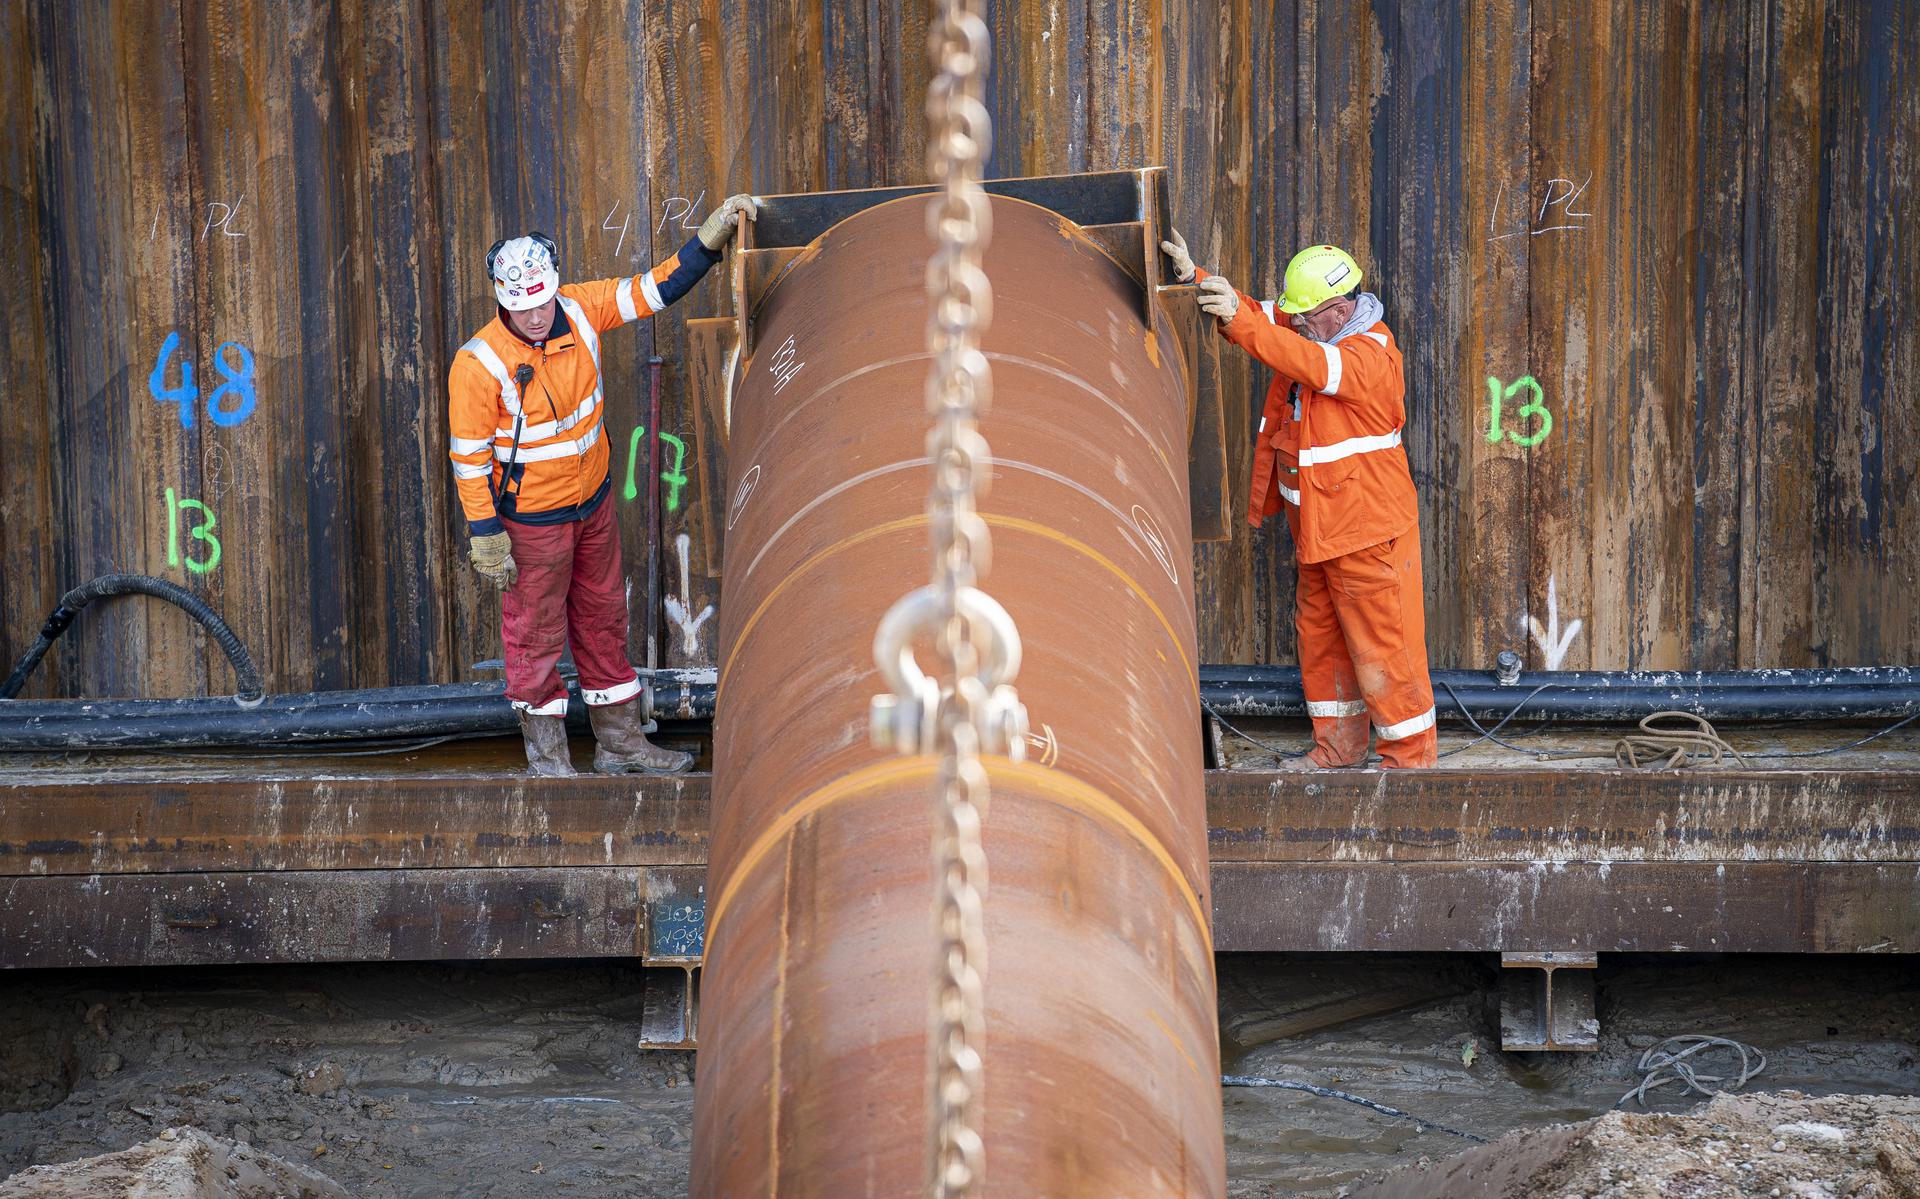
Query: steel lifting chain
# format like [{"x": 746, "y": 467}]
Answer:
[{"x": 969, "y": 708}]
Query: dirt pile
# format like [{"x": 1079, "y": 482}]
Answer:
[
  {"x": 1839, "y": 1147},
  {"x": 180, "y": 1163}
]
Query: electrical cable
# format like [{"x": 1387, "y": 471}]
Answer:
[
  {"x": 1662, "y": 1067},
  {"x": 284, "y": 751},
  {"x": 1815, "y": 753},
  {"x": 1701, "y": 745},
  {"x": 1248, "y": 1080},
  {"x": 1253, "y": 741},
  {"x": 251, "y": 690},
  {"x": 1485, "y": 733}
]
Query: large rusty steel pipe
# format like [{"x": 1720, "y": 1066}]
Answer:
[{"x": 1102, "y": 1073}]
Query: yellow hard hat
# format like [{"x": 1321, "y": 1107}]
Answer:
[{"x": 1318, "y": 274}]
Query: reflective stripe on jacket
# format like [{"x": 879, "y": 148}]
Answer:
[
  {"x": 560, "y": 470},
  {"x": 1334, "y": 457}
]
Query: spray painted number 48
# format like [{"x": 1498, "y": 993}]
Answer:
[
  {"x": 228, "y": 404},
  {"x": 1533, "y": 412}
]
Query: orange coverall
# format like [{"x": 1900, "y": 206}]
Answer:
[
  {"x": 554, "y": 503},
  {"x": 1329, "y": 450}
]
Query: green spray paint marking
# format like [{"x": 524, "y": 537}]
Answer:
[
  {"x": 633, "y": 451},
  {"x": 202, "y": 532},
  {"x": 1533, "y": 408},
  {"x": 674, "y": 477}
]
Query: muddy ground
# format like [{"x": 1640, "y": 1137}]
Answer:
[{"x": 523, "y": 1080}]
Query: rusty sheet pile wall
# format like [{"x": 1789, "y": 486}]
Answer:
[{"x": 1653, "y": 266}]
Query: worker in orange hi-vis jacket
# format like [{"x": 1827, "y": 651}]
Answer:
[
  {"x": 1328, "y": 450},
  {"x": 529, "y": 451}
]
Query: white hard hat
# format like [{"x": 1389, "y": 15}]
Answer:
[{"x": 525, "y": 274}]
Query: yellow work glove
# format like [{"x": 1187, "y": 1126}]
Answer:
[
  {"x": 717, "y": 230},
  {"x": 1218, "y": 298},
  {"x": 1176, "y": 249},
  {"x": 493, "y": 557}
]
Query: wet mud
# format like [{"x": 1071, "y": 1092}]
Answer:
[{"x": 525, "y": 1079}]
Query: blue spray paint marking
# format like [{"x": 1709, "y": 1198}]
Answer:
[
  {"x": 230, "y": 404},
  {"x": 238, "y": 385},
  {"x": 183, "y": 395}
]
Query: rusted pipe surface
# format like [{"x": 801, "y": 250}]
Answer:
[{"x": 1102, "y": 1051}]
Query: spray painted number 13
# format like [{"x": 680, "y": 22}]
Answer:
[
  {"x": 203, "y": 533},
  {"x": 1534, "y": 409}
]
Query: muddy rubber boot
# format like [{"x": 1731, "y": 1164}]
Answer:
[
  {"x": 546, "y": 738},
  {"x": 622, "y": 746}
]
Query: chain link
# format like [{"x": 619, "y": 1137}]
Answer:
[
  {"x": 960, "y": 306},
  {"x": 967, "y": 708}
]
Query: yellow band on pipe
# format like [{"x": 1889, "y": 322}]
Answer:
[{"x": 1063, "y": 789}]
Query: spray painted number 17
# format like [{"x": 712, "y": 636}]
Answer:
[{"x": 1534, "y": 410}]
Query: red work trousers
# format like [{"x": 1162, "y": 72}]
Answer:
[
  {"x": 1362, "y": 625},
  {"x": 570, "y": 589}
]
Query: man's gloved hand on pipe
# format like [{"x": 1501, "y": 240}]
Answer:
[
  {"x": 719, "y": 227},
  {"x": 1176, "y": 249},
  {"x": 1218, "y": 298}
]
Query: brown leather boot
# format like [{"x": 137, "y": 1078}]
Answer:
[
  {"x": 546, "y": 738},
  {"x": 623, "y": 746}
]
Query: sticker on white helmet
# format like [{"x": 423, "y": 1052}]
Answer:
[{"x": 513, "y": 272}]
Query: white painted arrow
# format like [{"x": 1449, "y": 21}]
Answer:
[
  {"x": 1552, "y": 642},
  {"x": 677, "y": 609}
]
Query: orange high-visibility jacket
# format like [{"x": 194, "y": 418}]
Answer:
[
  {"x": 1329, "y": 439},
  {"x": 560, "y": 471}
]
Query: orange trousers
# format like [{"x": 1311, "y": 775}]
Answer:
[{"x": 1362, "y": 625}]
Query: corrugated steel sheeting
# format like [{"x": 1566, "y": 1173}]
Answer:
[{"x": 1689, "y": 225}]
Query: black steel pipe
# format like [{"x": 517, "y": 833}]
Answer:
[
  {"x": 438, "y": 710},
  {"x": 453, "y": 709},
  {"x": 1600, "y": 696}
]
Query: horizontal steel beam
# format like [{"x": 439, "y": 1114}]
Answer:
[
  {"x": 95, "y": 825},
  {"x": 598, "y": 911},
  {"x": 1099, "y": 198},
  {"x": 1601, "y": 907},
  {"x": 320, "y": 916},
  {"x": 183, "y": 870}
]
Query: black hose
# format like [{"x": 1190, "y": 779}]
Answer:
[
  {"x": 1840, "y": 693},
  {"x": 251, "y": 690},
  {"x": 432, "y": 710},
  {"x": 455, "y": 709}
]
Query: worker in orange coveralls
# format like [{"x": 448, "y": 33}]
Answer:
[
  {"x": 1329, "y": 449},
  {"x": 529, "y": 450}
]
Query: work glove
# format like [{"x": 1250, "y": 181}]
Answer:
[
  {"x": 717, "y": 230},
  {"x": 1218, "y": 298},
  {"x": 1176, "y": 249},
  {"x": 493, "y": 557}
]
